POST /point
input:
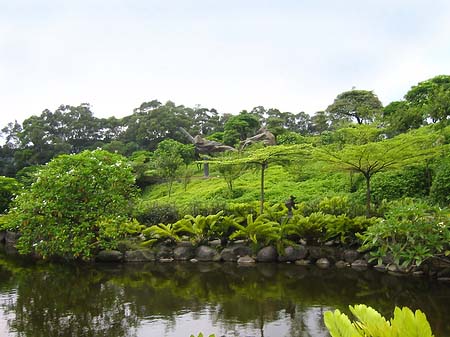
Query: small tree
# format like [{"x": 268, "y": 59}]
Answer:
[
  {"x": 262, "y": 157},
  {"x": 169, "y": 157},
  {"x": 78, "y": 205}
]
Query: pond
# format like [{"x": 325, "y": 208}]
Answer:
[{"x": 179, "y": 299}]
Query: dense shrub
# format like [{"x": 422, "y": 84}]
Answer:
[
  {"x": 153, "y": 213},
  {"x": 440, "y": 189},
  {"x": 412, "y": 232},
  {"x": 410, "y": 182},
  {"x": 8, "y": 188},
  {"x": 78, "y": 205}
]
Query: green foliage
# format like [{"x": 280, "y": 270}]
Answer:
[
  {"x": 200, "y": 227},
  {"x": 201, "y": 335},
  {"x": 440, "y": 189},
  {"x": 153, "y": 213},
  {"x": 259, "y": 230},
  {"x": 412, "y": 232},
  {"x": 162, "y": 232},
  {"x": 78, "y": 204},
  {"x": 9, "y": 187},
  {"x": 411, "y": 182},
  {"x": 369, "y": 323},
  {"x": 319, "y": 226}
]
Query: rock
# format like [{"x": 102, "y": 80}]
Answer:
[
  {"x": 350, "y": 255},
  {"x": 11, "y": 237},
  {"x": 418, "y": 273},
  {"x": 141, "y": 255},
  {"x": 341, "y": 264},
  {"x": 165, "y": 260},
  {"x": 246, "y": 260},
  {"x": 359, "y": 264},
  {"x": 303, "y": 262},
  {"x": 380, "y": 268},
  {"x": 232, "y": 253},
  {"x": 2, "y": 236},
  {"x": 206, "y": 253},
  {"x": 214, "y": 243},
  {"x": 267, "y": 254},
  {"x": 193, "y": 260},
  {"x": 303, "y": 242},
  {"x": 109, "y": 256},
  {"x": 164, "y": 252},
  {"x": 444, "y": 272},
  {"x": 443, "y": 279},
  {"x": 291, "y": 254},
  {"x": 331, "y": 253},
  {"x": 329, "y": 243},
  {"x": 323, "y": 263},
  {"x": 185, "y": 244},
  {"x": 184, "y": 253},
  {"x": 393, "y": 268}
]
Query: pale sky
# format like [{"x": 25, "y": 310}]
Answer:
[{"x": 294, "y": 55}]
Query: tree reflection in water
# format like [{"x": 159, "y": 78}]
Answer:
[{"x": 139, "y": 300}]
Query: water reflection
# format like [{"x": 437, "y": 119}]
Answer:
[{"x": 178, "y": 299}]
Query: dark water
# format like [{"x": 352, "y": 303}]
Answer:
[{"x": 177, "y": 299}]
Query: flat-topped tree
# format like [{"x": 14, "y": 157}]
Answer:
[
  {"x": 264, "y": 156},
  {"x": 371, "y": 158}
]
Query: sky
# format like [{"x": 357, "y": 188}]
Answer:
[{"x": 294, "y": 55}]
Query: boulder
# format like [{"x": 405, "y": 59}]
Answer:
[
  {"x": 341, "y": 264},
  {"x": 303, "y": 262},
  {"x": 11, "y": 238},
  {"x": 359, "y": 264},
  {"x": 329, "y": 252},
  {"x": 214, "y": 243},
  {"x": 109, "y": 256},
  {"x": 206, "y": 253},
  {"x": 293, "y": 254},
  {"x": 323, "y": 263},
  {"x": 164, "y": 252},
  {"x": 267, "y": 254},
  {"x": 232, "y": 253},
  {"x": 380, "y": 267},
  {"x": 184, "y": 253},
  {"x": 246, "y": 260},
  {"x": 350, "y": 255},
  {"x": 140, "y": 255}
]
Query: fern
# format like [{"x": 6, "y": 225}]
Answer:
[
  {"x": 370, "y": 323},
  {"x": 258, "y": 230}
]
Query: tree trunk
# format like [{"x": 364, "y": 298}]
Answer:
[
  {"x": 368, "y": 194},
  {"x": 261, "y": 199}
]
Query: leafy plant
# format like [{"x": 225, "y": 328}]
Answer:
[
  {"x": 199, "y": 227},
  {"x": 369, "y": 323},
  {"x": 161, "y": 232},
  {"x": 412, "y": 232},
  {"x": 259, "y": 230},
  {"x": 78, "y": 205},
  {"x": 201, "y": 335}
]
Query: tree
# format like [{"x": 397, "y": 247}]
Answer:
[
  {"x": 432, "y": 98},
  {"x": 399, "y": 117},
  {"x": 362, "y": 105},
  {"x": 78, "y": 205},
  {"x": 374, "y": 157},
  {"x": 169, "y": 157},
  {"x": 9, "y": 187},
  {"x": 262, "y": 157},
  {"x": 240, "y": 127}
]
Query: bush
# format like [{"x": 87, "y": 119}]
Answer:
[
  {"x": 412, "y": 232},
  {"x": 9, "y": 187},
  {"x": 78, "y": 205},
  {"x": 155, "y": 213},
  {"x": 440, "y": 189}
]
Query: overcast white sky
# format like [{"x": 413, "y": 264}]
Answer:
[{"x": 295, "y": 55}]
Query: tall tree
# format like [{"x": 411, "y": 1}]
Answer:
[
  {"x": 360, "y": 105},
  {"x": 432, "y": 98},
  {"x": 371, "y": 158},
  {"x": 240, "y": 127}
]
